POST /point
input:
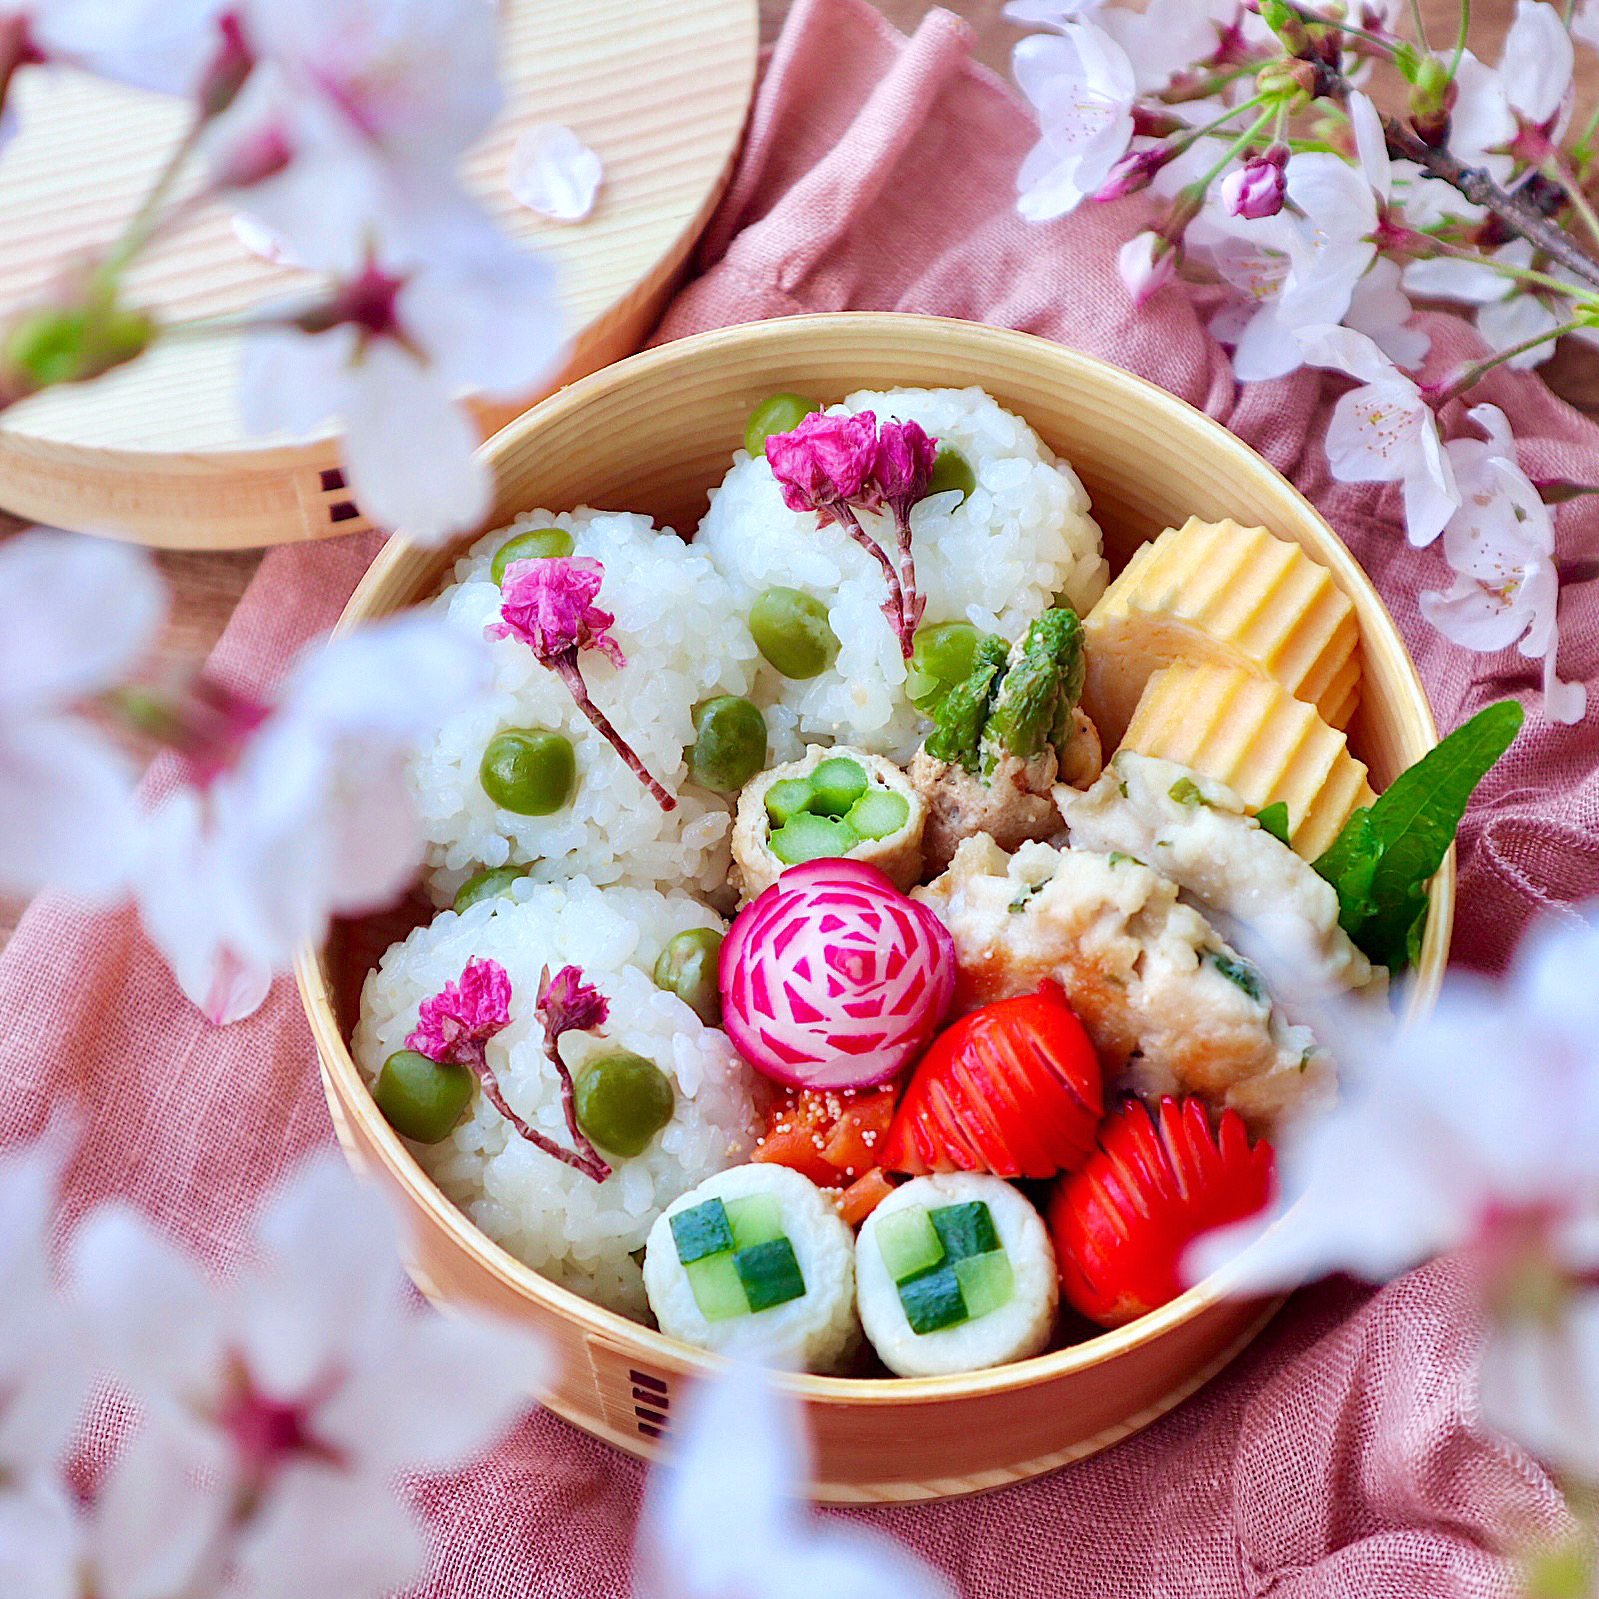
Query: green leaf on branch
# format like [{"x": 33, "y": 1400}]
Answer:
[{"x": 1382, "y": 860}]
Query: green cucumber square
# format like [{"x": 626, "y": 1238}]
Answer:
[
  {"x": 718, "y": 1289},
  {"x": 755, "y": 1219},
  {"x": 701, "y": 1231},
  {"x": 933, "y": 1300},
  {"x": 987, "y": 1282},
  {"x": 908, "y": 1243},
  {"x": 770, "y": 1273},
  {"x": 965, "y": 1229}
]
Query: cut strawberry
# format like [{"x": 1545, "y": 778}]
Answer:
[
  {"x": 1122, "y": 1223},
  {"x": 1014, "y": 1088}
]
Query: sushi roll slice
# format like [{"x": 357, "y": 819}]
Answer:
[
  {"x": 755, "y": 1262},
  {"x": 955, "y": 1273}
]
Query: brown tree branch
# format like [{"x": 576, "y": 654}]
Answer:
[{"x": 1480, "y": 189}]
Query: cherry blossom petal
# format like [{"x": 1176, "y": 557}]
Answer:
[
  {"x": 152, "y": 1314},
  {"x": 160, "y": 1513},
  {"x": 1536, "y": 64},
  {"x": 163, "y": 45},
  {"x": 1472, "y": 615},
  {"x": 1145, "y": 264},
  {"x": 67, "y": 816},
  {"x": 1585, "y": 23},
  {"x": 554, "y": 173},
  {"x": 1330, "y": 248},
  {"x": 1371, "y": 145},
  {"x": 41, "y": 1545},
  {"x": 1430, "y": 495},
  {"x": 1468, "y": 281},
  {"x": 435, "y": 1391},
  {"x": 323, "y": 1531},
  {"x": 1566, "y": 703},
  {"x": 1481, "y": 122},
  {"x": 723, "y": 1519},
  {"x": 1516, "y": 318},
  {"x": 1380, "y": 308},
  {"x": 428, "y": 493},
  {"x": 79, "y": 614},
  {"x": 1539, "y": 1381}
]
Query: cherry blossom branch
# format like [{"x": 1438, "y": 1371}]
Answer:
[
  {"x": 894, "y": 605},
  {"x": 585, "y": 1158},
  {"x": 566, "y": 668},
  {"x": 1480, "y": 189},
  {"x": 1479, "y": 369}
]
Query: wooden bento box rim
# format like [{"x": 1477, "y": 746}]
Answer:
[{"x": 347, "y": 1092}]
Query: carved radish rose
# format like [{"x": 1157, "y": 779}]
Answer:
[{"x": 834, "y": 979}]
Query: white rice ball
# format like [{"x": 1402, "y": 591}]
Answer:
[
  {"x": 1018, "y": 1328},
  {"x": 998, "y": 560},
  {"x": 575, "y": 1231},
  {"x": 685, "y": 639},
  {"x": 816, "y": 1330}
]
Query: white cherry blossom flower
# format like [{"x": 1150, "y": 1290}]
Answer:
[
  {"x": 1380, "y": 308},
  {"x": 279, "y": 1407},
  {"x": 377, "y": 100},
  {"x": 399, "y": 346},
  {"x": 1083, "y": 87},
  {"x": 79, "y": 613},
  {"x": 152, "y": 44},
  {"x": 1384, "y": 431},
  {"x": 1501, "y": 546},
  {"x": 304, "y": 813},
  {"x": 1516, "y": 318},
  {"x": 725, "y": 1517},
  {"x": 1529, "y": 94},
  {"x": 1164, "y": 38},
  {"x": 554, "y": 173}
]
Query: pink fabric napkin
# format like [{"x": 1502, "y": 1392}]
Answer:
[{"x": 1344, "y": 1452}]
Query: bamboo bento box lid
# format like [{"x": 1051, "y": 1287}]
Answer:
[{"x": 155, "y": 452}]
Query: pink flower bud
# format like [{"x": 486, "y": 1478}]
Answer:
[
  {"x": 1257, "y": 188},
  {"x": 456, "y": 1024},
  {"x": 566, "y": 1004},
  {"x": 825, "y": 461},
  {"x": 262, "y": 155},
  {"x": 548, "y": 605},
  {"x": 1145, "y": 263},
  {"x": 1135, "y": 171},
  {"x": 903, "y": 466}
]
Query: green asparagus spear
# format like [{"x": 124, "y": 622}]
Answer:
[
  {"x": 1033, "y": 706},
  {"x": 960, "y": 719}
]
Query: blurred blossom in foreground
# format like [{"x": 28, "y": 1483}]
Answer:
[
  {"x": 77, "y": 615},
  {"x": 298, "y": 811},
  {"x": 1476, "y": 1128},
  {"x": 727, "y": 1517},
  {"x": 275, "y": 1411}
]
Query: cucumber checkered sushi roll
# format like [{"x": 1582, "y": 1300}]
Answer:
[
  {"x": 755, "y": 1262},
  {"x": 955, "y": 1273}
]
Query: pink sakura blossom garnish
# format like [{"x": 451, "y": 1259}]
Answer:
[
  {"x": 456, "y": 1024},
  {"x": 549, "y": 605},
  {"x": 566, "y": 1004},
  {"x": 837, "y": 466}
]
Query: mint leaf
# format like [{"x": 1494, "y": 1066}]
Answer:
[
  {"x": 1382, "y": 860},
  {"x": 1274, "y": 818}
]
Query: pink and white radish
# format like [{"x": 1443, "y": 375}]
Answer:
[{"x": 832, "y": 978}]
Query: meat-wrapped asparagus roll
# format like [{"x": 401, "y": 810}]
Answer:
[
  {"x": 833, "y": 802},
  {"x": 1006, "y": 734}
]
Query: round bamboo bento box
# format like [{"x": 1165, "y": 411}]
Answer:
[
  {"x": 651, "y": 434},
  {"x": 156, "y": 451}
]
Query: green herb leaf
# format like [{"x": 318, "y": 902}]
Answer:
[
  {"x": 964, "y": 712},
  {"x": 1382, "y": 860},
  {"x": 1187, "y": 792},
  {"x": 1238, "y": 971},
  {"x": 1019, "y": 903},
  {"x": 1274, "y": 818}
]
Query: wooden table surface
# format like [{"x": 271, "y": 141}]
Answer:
[{"x": 205, "y": 587}]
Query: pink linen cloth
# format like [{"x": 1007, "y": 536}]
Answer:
[{"x": 1344, "y": 1453}]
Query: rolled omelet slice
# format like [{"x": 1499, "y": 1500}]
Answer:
[
  {"x": 838, "y": 802},
  {"x": 1243, "y": 730},
  {"x": 1230, "y": 595}
]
